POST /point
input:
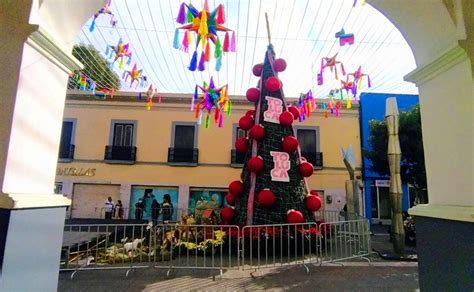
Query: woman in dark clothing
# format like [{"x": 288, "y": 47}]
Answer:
[
  {"x": 155, "y": 211},
  {"x": 167, "y": 208},
  {"x": 139, "y": 210}
]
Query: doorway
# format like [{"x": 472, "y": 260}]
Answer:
[{"x": 381, "y": 211}]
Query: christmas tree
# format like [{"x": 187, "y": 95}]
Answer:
[{"x": 273, "y": 189}]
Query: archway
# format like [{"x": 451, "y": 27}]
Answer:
[{"x": 32, "y": 111}]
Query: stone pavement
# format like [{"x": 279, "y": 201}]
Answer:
[{"x": 353, "y": 276}]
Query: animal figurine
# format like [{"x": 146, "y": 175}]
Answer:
[
  {"x": 133, "y": 246},
  {"x": 345, "y": 38}
]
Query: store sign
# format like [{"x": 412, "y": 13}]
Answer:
[
  {"x": 275, "y": 108},
  {"x": 75, "y": 171},
  {"x": 281, "y": 162},
  {"x": 382, "y": 183}
]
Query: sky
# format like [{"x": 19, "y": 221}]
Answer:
[{"x": 302, "y": 32}]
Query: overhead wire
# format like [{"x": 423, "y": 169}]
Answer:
[
  {"x": 298, "y": 84},
  {"x": 161, "y": 85},
  {"x": 141, "y": 46},
  {"x": 172, "y": 52},
  {"x": 184, "y": 64},
  {"x": 245, "y": 47},
  {"x": 110, "y": 63},
  {"x": 93, "y": 65},
  {"x": 236, "y": 53},
  {"x": 288, "y": 27},
  {"x": 255, "y": 43},
  {"x": 158, "y": 69}
]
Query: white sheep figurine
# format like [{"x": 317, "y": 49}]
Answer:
[{"x": 133, "y": 246}]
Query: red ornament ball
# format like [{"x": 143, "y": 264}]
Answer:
[
  {"x": 257, "y": 69},
  {"x": 306, "y": 169},
  {"x": 236, "y": 187},
  {"x": 273, "y": 84},
  {"x": 257, "y": 132},
  {"x": 286, "y": 118},
  {"x": 279, "y": 65},
  {"x": 230, "y": 198},
  {"x": 313, "y": 203},
  {"x": 242, "y": 145},
  {"x": 294, "y": 111},
  {"x": 293, "y": 216},
  {"x": 246, "y": 123},
  {"x": 250, "y": 113},
  {"x": 227, "y": 214},
  {"x": 289, "y": 144},
  {"x": 255, "y": 164},
  {"x": 253, "y": 94},
  {"x": 266, "y": 198}
]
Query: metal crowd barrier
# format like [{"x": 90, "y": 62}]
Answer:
[
  {"x": 279, "y": 245},
  {"x": 344, "y": 240},
  {"x": 197, "y": 247},
  {"x": 178, "y": 246},
  {"x": 132, "y": 246}
]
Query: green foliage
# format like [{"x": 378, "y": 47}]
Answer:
[
  {"x": 96, "y": 67},
  {"x": 411, "y": 143}
]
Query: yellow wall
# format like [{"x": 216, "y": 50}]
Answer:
[{"x": 93, "y": 122}]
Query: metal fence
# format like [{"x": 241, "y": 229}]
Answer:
[
  {"x": 344, "y": 240},
  {"x": 177, "y": 246},
  {"x": 131, "y": 246},
  {"x": 279, "y": 245}
]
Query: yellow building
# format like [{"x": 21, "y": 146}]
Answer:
[{"x": 117, "y": 148}]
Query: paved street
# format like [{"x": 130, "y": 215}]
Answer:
[{"x": 356, "y": 276}]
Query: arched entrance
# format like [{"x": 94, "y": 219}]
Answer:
[{"x": 39, "y": 37}]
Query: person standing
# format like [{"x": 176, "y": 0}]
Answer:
[
  {"x": 139, "y": 209},
  {"x": 119, "y": 209},
  {"x": 109, "y": 208},
  {"x": 155, "y": 211},
  {"x": 148, "y": 196},
  {"x": 167, "y": 208}
]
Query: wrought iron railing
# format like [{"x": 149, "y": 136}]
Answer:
[
  {"x": 315, "y": 158},
  {"x": 237, "y": 157},
  {"x": 67, "y": 153},
  {"x": 183, "y": 155},
  {"x": 120, "y": 153}
]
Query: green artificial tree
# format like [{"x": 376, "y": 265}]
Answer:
[{"x": 273, "y": 200}]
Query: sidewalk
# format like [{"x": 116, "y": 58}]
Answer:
[
  {"x": 380, "y": 242},
  {"x": 356, "y": 276}
]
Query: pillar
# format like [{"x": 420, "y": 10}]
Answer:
[{"x": 35, "y": 69}]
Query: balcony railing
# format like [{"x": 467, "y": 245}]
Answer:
[
  {"x": 67, "y": 153},
  {"x": 237, "y": 158},
  {"x": 315, "y": 158},
  {"x": 120, "y": 153},
  {"x": 183, "y": 155}
]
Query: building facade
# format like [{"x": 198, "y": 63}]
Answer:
[
  {"x": 117, "y": 148},
  {"x": 376, "y": 186}
]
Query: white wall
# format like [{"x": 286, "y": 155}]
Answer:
[
  {"x": 33, "y": 250},
  {"x": 33, "y": 149},
  {"x": 447, "y": 123}
]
